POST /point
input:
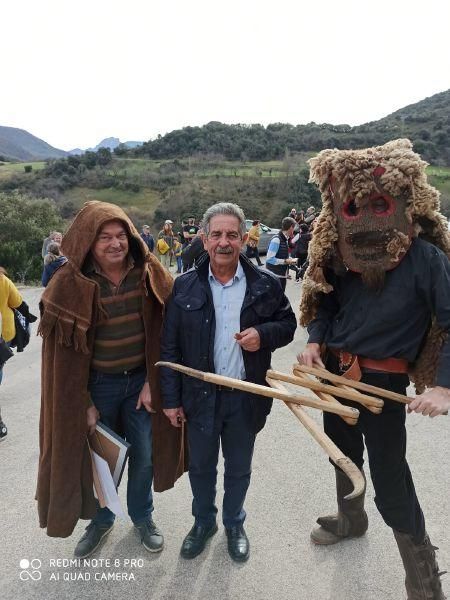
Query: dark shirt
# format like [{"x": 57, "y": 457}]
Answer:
[
  {"x": 191, "y": 230},
  {"x": 192, "y": 252},
  {"x": 301, "y": 245},
  {"x": 148, "y": 239},
  {"x": 394, "y": 322}
]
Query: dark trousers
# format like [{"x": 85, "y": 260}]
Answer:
[
  {"x": 115, "y": 397},
  {"x": 253, "y": 252},
  {"x": 232, "y": 430},
  {"x": 385, "y": 439}
]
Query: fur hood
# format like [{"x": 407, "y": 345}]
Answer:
[{"x": 401, "y": 172}]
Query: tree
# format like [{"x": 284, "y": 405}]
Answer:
[
  {"x": 24, "y": 224},
  {"x": 104, "y": 156}
]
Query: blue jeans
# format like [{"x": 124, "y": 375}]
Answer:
[
  {"x": 231, "y": 428},
  {"x": 115, "y": 397},
  {"x": 2, "y": 365}
]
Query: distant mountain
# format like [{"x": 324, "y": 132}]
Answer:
[
  {"x": 112, "y": 143},
  {"x": 18, "y": 144},
  {"x": 76, "y": 152}
]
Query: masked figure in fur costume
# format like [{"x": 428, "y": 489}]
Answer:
[{"x": 376, "y": 301}]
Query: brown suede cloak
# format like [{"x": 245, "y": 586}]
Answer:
[{"x": 69, "y": 311}]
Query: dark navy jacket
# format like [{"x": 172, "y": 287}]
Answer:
[
  {"x": 51, "y": 267},
  {"x": 188, "y": 339}
]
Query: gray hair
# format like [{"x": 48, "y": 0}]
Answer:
[{"x": 224, "y": 208}]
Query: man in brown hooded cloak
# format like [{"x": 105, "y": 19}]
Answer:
[{"x": 101, "y": 318}]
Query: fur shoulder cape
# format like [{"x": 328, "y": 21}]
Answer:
[{"x": 353, "y": 172}]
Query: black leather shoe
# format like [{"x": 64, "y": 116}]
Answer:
[
  {"x": 91, "y": 539},
  {"x": 151, "y": 537},
  {"x": 195, "y": 541},
  {"x": 238, "y": 544}
]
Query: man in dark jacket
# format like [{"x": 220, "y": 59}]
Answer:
[
  {"x": 148, "y": 238},
  {"x": 277, "y": 259},
  {"x": 224, "y": 316}
]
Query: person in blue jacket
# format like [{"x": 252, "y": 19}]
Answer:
[
  {"x": 225, "y": 316},
  {"x": 52, "y": 261}
]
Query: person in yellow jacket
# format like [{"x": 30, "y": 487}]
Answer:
[
  {"x": 252, "y": 242},
  {"x": 9, "y": 299}
]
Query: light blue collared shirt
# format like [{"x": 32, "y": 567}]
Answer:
[{"x": 228, "y": 299}]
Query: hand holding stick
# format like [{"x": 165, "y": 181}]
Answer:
[{"x": 358, "y": 385}]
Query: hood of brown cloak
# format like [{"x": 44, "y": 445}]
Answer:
[{"x": 83, "y": 231}]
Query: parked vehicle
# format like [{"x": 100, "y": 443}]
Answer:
[{"x": 267, "y": 234}]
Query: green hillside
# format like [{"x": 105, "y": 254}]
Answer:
[
  {"x": 426, "y": 123},
  {"x": 154, "y": 190}
]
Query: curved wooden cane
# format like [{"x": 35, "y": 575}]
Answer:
[{"x": 339, "y": 459}]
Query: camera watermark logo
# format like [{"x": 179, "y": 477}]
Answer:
[{"x": 30, "y": 569}]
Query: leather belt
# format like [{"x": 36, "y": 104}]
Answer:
[
  {"x": 387, "y": 365},
  {"x": 224, "y": 388},
  {"x": 129, "y": 372}
]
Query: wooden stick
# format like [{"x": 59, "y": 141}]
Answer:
[
  {"x": 341, "y": 391},
  {"x": 372, "y": 409},
  {"x": 358, "y": 385},
  {"x": 262, "y": 390},
  {"x": 322, "y": 396},
  {"x": 339, "y": 459}
]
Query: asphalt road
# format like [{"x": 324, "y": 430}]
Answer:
[{"x": 292, "y": 484}]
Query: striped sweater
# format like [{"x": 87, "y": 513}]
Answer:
[{"x": 119, "y": 338}]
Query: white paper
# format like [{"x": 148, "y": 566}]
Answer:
[{"x": 108, "y": 488}]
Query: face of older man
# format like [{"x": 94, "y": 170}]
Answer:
[
  {"x": 223, "y": 243},
  {"x": 110, "y": 248}
]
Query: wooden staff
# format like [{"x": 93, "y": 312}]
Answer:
[
  {"x": 321, "y": 395},
  {"x": 339, "y": 459},
  {"x": 373, "y": 404},
  {"x": 358, "y": 385},
  {"x": 262, "y": 390}
]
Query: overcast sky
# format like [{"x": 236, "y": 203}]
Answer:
[{"x": 73, "y": 73}]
